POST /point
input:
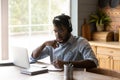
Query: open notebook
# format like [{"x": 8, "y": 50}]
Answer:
[{"x": 21, "y": 59}]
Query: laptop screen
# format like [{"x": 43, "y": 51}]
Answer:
[{"x": 20, "y": 57}]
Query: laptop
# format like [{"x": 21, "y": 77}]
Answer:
[{"x": 21, "y": 59}]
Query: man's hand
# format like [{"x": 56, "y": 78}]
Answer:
[
  {"x": 58, "y": 63},
  {"x": 52, "y": 43}
]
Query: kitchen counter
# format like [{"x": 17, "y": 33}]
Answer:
[
  {"x": 106, "y": 44},
  {"x": 107, "y": 53}
]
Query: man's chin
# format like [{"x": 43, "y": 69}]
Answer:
[{"x": 60, "y": 41}]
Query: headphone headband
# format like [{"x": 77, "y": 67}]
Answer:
[{"x": 63, "y": 20}]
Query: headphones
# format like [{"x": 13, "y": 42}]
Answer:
[
  {"x": 64, "y": 20},
  {"x": 70, "y": 25}
]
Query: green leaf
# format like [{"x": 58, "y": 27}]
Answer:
[
  {"x": 94, "y": 16},
  {"x": 92, "y": 21},
  {"x": 100, "y": 18}
]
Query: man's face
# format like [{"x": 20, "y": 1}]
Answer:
[{"x": 62, "y": 34}]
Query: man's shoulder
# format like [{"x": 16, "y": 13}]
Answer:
[{"x": 79, "y": 38}]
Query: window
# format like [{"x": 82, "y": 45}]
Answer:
[{"x": 30, "y": 21}]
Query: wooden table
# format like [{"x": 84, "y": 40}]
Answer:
[{"x": 13, "y": 73}]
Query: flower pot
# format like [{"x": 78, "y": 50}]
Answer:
[{"x": 100, "y": 28}]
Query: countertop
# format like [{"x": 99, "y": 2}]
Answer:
[{"x": 105, "y": 44}]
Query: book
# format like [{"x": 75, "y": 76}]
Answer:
[{"x": 6, "y": 63}]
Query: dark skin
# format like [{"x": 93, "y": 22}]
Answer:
[{"x": 62, "y": 35}]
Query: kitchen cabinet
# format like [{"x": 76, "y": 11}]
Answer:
[
  {"x": 107, "y": 53},
  {"x": 104, "y": 61},
  {"x": 116, "y": 63}
]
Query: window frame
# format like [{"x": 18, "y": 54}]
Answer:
[{"x": 4, "y": 30}]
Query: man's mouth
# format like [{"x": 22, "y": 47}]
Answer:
[{"x": 59, "y": 40}]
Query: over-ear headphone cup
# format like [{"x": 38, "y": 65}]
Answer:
[
  {"x": 70, "y": 28},
  {"x": 70, "y": 25}
]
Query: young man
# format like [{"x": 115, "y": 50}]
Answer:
[{"x": 66, "y": 48}]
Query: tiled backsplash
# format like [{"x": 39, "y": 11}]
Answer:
[{"x": 114, "y": 13}]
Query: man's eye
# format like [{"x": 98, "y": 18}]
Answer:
[
  {"x": 55, "y": 31},
  {"x": 59, "y": 31}
]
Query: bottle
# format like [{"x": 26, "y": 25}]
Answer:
[
  {"x": 86, "y": 31},
  {"x": 116, "y": 34}
]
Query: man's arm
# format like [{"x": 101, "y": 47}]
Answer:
[
  {"x": 38, "y": 50},
  {"x": 84, "y": 64},
  {"x": 77, "y": 64}
]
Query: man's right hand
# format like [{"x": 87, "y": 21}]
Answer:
[{"x": 52, "y": 43}]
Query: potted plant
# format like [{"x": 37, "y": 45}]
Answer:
[{"x": 100, "y": 19}]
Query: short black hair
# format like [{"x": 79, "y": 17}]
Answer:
[{"x": 63, "y": 20}]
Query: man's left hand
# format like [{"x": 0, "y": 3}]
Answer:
[{"x": 58, "y": 63}]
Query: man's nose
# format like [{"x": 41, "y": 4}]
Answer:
[{"x": 58, "y": 33}]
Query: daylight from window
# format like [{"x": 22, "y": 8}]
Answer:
[{"x": 30, "y": 21}]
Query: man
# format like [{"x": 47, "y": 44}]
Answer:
[{"x": 66, "y": 48}]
